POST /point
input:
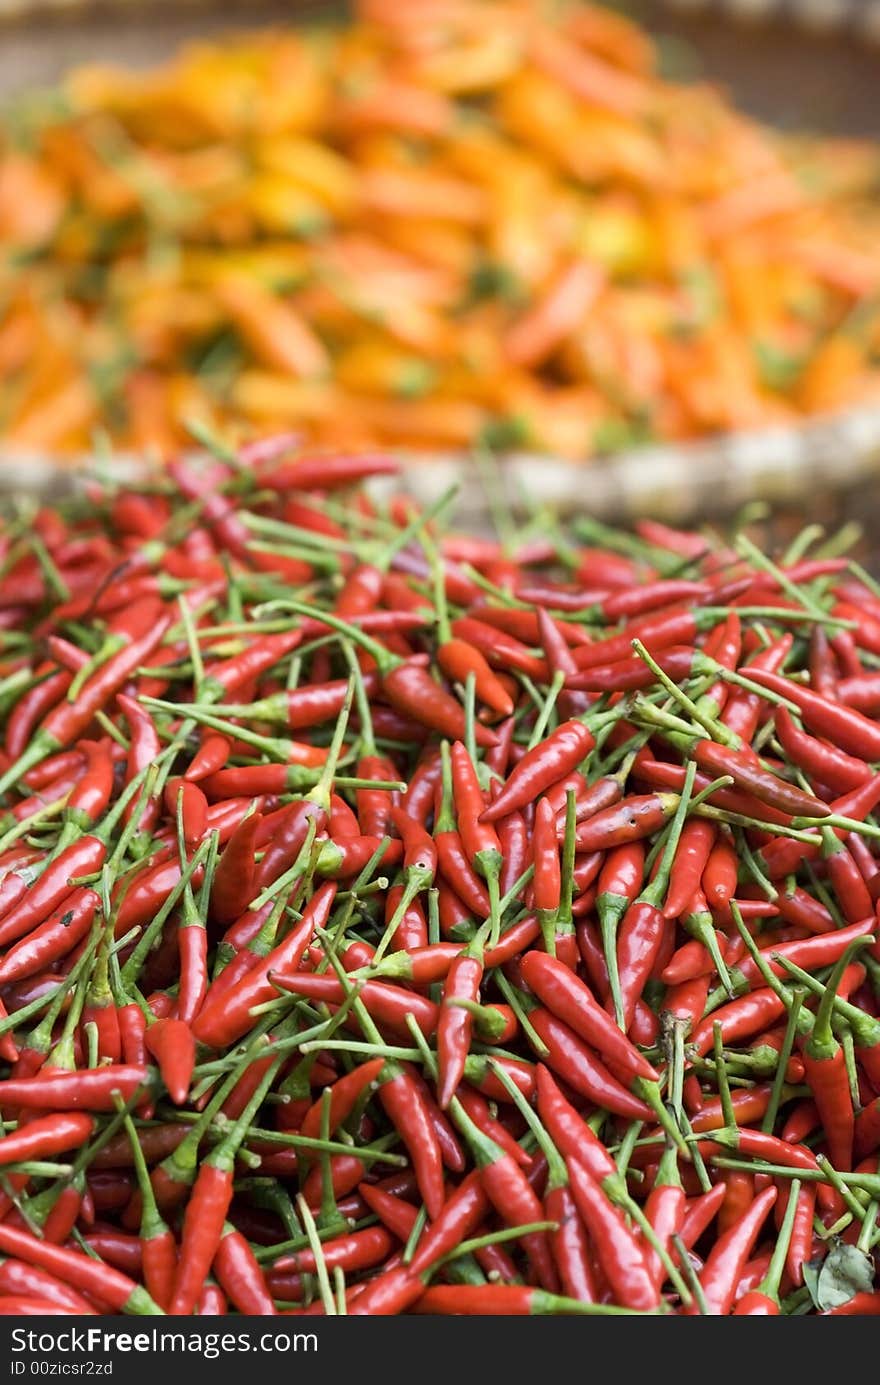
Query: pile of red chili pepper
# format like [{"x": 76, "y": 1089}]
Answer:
[{"x": 394, "y": 921}]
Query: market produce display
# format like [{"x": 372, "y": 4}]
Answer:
[
  {"x": 449, "y": 221},
  {"x": 394, "y": 920}
]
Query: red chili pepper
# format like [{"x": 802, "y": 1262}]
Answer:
[
  {"x": 189, "y": 800},
  {"x": 91, "y": 794},
  {"x": 106, "y": 1284},
  {"x": 748, "y": 775},
  {"x": 44, "y": 1136},
  {"x": 411, "y": 931},
  {"x": 842, "y": 725},
  {"x": 452, "y": 858},
  {"x": 233, "y": 886},
  {"x": 825, "y": 1072},
  {"x": 51, "y": 686},
  {"x": 359, "y": 1250},
  {"x": 813, "y": 953},
  {"x": 494, "y": 1300},
  {"x": 210, "y": 758},
  {"x": 419, "y": 850},
  {"x": 144, "y": 747},
  {"x": 800, "y": 1248},
  {"x": 388, "y": 1005},
  {"x": 418, "y": 800},
  {"x": 500, "y": 648},
  {"x": 740, "y": 1019},
  {"x": 240, "y": 1275},
  {"x": 23, "y": 1281},
  {"x": 82, "y": 857},
  {"x": 479, "y": 838},
  {"x": 344, "y": 1096},
  {"x": 461, "y": 660},
  {"x": 572, "y": 1002},
  {"x": 58, "y": 1090},
  {"x": 171, "y": 1043},
  {"x": 209, "y": 1203},
  {"x": 374, "y": 805},
  {"x": 478, "y": 1109},
  {"x": 547, "y": 879},
  {"x": 630, "y": 820},
  {"x": 53, "y": 939},
  {"x": 411, "y": 690},
  {"x": 132, "y": 1033},
  {"x": 68, "y": 721},
  {"x": 643, "y": 926},
  {"x": 797, "y": 907},
  {"x": 615, "y": 1245},
  {"x": 405, "y": 1107},
  {"x": 224, "y": 1018},
  {"x": 455, "y": 1022},
  {"x": 719, "y": 877},
  {"x": 577, "y": 1065},
  {"x": 509, "y": 1192},
  {"x": 727, "y": 1258},
  {"x": 548, "y": 762},
  {"x": 827, "y": 764}
]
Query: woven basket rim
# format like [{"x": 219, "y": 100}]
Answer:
[{"x": 675, "y": 482}]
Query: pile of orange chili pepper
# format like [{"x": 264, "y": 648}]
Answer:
[
  {"x": 449, "y": 221},
  {"x": 394, "y": 920}
]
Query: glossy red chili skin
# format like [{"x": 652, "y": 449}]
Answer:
[
  {"x": 616, "y": 1247},
  {"x": 241, "y": 1277},
  {"x": 725, "y": 1262},
  {"x": 570, "y": 1246},
  {"x": 501, "y": 648},
  {"x": 98, "y": 1280},
  {"x": 800, "y": 1247},
  {"x": 359, "y": 1250},
  {"x": 410, "y": 689},
  {"x": 842, "y": 725},
  {"x": 225, "y": 1017},
  {"x": 460, "y": 660},
  {"x": 70, "y": 720},
  {"x": 388, "y": 1005},
  {"x": 657, "y": 631},
  {"x": 638, "y": 947},
  {"x": 630, "y": 820},
  {"x": 205, "y": 1214},
  {"x": 90, "y": 1089},
  {"x": 82, "y": 857},
  {"x": 411, "y": 932},
  {"x": 30, "y": 709},
  {"x": 571, "y": 1001},
  {"x": 828, "y": 1081},
  {"x": 811, "y": 953},
  {"x": 374, "y": 805},
  {"x": 850, "y": 889},
  {"x": 171, "y": 1043},
  {"x": 406, "y": 1110},
  {"x": 509, "y": 1192},
  {"x": 739, "y": 1019},
  {"x": 820, "y": 760},
  {"x": 54, "y": 938},
  {"x": 541, "y": 767},
  {"x": 455, "y": 1024},
  {"x": 235, "y": 875},
  {"x": 18, "y": 1278},
  {"x": 45, "y": 1135},
  {"x": 457, "y": 870},
  {"x": 418, "y": 801},
  {"x": 570, "y": 1057},
  {"x": 480, "y": 840}
]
